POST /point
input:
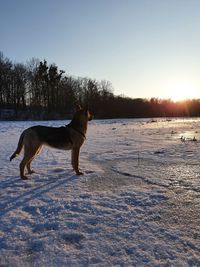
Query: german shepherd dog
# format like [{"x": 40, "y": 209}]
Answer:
[{"x": 69, "y": 137}]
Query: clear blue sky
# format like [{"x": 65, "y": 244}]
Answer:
[{"x": 145, "y": 48}]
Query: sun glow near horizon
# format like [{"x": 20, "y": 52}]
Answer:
[{"x": 178, "y": 91}]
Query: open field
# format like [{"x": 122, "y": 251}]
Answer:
[{"x": 138, "y": 203}]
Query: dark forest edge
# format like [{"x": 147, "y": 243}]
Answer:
[{"x": 38, "y": 91}]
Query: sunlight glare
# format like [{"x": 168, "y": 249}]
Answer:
[{"x": 181, "y": 91}]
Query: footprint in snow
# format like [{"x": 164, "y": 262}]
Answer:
[{"x": 73, "y": 239}]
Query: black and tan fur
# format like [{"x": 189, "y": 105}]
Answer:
[{"x": 69, "y": 137}]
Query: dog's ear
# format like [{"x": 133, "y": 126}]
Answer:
[
  {"x": 86, "y": 108},
  {"x": 77, "y": 107}
]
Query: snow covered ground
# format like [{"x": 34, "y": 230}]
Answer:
[{"x": 138, "y": 203}]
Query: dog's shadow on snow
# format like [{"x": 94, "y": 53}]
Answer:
[{"x": 18, "y": 193}]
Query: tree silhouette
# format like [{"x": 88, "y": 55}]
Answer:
[{"x": 37, "y": 90}]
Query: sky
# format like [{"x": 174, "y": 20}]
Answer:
[{"x": 145, "y": 48}]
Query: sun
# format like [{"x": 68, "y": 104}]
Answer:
[{"x": 177, "y": 91}]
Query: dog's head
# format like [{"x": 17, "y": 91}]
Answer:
[{"x": 83, "y": 113}]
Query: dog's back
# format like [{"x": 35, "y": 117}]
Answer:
[{"x": 58, "y": 137}]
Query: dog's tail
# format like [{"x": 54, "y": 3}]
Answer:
[{"x": 19, "y": 147}]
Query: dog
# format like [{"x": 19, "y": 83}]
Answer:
[{"x": 68, "y": 137}]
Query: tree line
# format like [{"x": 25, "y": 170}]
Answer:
[{"x": 38, "y": 90}]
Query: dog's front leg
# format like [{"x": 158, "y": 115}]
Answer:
[{"x": 75, "y": 160}]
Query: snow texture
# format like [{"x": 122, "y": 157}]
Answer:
[{"x": 138, "y": 203}]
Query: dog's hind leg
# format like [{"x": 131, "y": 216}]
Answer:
[
  {"x": 28, "y": 164},
  {"x": 29, "y": 155},
  {"x": 22, "y": 165}
]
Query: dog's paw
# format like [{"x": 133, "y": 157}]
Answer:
[
  {"x": 79, "y": 173},
  {"x": 24, "y": 177},
  {"x": 31, "y": 172}
]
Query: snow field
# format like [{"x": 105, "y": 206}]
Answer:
[{"x": 137, "y": 204}]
